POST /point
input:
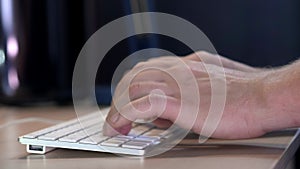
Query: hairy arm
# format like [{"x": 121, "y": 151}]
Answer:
[
  {"x": 282, "y": 96},
  {"x": 257, "y": 100}
]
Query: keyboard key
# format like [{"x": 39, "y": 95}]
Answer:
[
  {"x": 157, "y": 133},
  {"x": 93, "y": 130},
  {"x": 51, "y": 136},
  {"x": 112, "y": 142},
  {"x": 124, "y": 136},
  {"x": 60, "y": 133},
  {"x": 75, "y": 137},
  {"x": 91, "y": 122},
  {"x": 124, "y": 139},
  {"x": 50, "y": 129},
  {"x": 138, "y": 130},
  {"x": 36, "y": 134},
  {"x": 136, "y": 145},
  {"x": 86, "y": 121},
  {"x": 94, "y": 139},
  {"x": 149, "y": 139}
]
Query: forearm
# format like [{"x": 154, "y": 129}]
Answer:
[{"x": 282, "y": 97}]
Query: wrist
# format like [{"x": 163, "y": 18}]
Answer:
[{"x": 280, "y": 111}]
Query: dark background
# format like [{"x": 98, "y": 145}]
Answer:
[{"x": 51, "y": 34}]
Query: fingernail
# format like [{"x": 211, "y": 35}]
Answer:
[{"x": 114, "y": 118}]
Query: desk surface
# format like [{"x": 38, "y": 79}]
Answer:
[{"x": 19, "y": 121}]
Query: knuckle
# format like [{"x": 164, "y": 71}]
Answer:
[
  {"x": 135, "y": 87},
  {"x": 142, "y": 105},
  {"x": 139, "y": 65},
  {"x": 156, "y": 99},
  {"x": 202, "y": 53}
]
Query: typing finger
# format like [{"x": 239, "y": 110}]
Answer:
[{"x": 144, "y": 108}]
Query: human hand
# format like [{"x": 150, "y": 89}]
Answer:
[{"x": 156, "y": 94}]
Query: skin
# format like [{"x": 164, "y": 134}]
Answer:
[{"x": 257, "y": 100}]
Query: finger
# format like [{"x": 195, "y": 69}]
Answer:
[
  {"x": 141, "y": 89},
  {"x": 161, "y": 62},
  {"x": 199, "y": 69},
  {"x": 108, "y": 129},
  {"x": 202, "y": 56},
  {"x": 155, "y": 75},
  {"x": 149, "y": 75},
  {"x": 142, "y": 108},
  {"x": 151, "y": 106},
  {"x": 148, "y": 71},
  {"x": 213, "y": 59},
  {"x": 153, "y": 68},
  {"x": 125, "y": 92},
  {"x": 162, "y": 123}
]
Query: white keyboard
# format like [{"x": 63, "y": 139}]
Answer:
[{"x": 86, "y": 134}]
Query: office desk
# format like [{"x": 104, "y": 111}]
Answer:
[{"x": 18, "y": 121}]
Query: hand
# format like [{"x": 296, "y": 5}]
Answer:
[{"x": 149, "y": 88}]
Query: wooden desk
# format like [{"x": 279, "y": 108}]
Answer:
[{"x": 14, "y": 156}]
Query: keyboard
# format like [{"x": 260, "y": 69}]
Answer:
[{"x": 86, "y": 134}]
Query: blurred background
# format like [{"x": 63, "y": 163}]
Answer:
[{"x": 41, "y": 39}]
